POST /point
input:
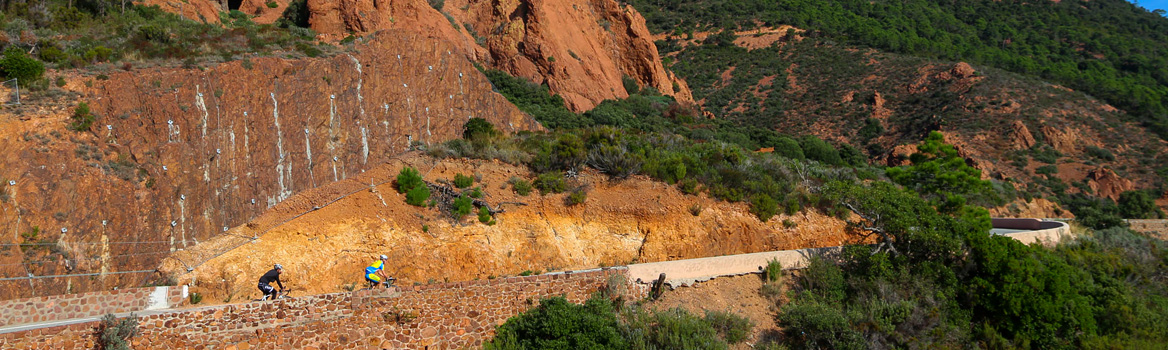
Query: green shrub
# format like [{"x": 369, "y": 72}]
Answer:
[
  {"x": 407, "y": 179},
  {"x": 1139, "y": 205},
  {"x": 615, "y": 161},
  {"x": 196, "y": 298},
  {"x": 295, "y": 15},
  {"x": 82, "y": 119},
  {"x": 476, "y": 192},
  {"x": 1046, "y": 170},
  {"x": 437, "y": 4},
  {"x": 479, "y": 128},
  {"x": 272, "y": 4},
  {"x": 463, "y": 181},
  {"x": 816, "y": 149},
  {"x": 115, "y": 334},
  {"x": 1045, "y": 153},
  {"x": 462, "y": 207},
  {"x": 521, "y": 186},
  {"x": 1100, "y": 153},
  {"x": 689, "y": 186},
  {"x": 669, "y": 329},
  {"x": 763, "y": 206},
  {"x": 16, "y": 65},
  {"x": 774, "y": 270},
  {"x": 576, "y": 197},
  {"x": 550, "y": 183},
  {"x": 52, "y": 54},
  {"x": 484, "y": 215},
  {"x": 559, "y": 324},
  {"x": 731, "y": 327},
  {"x": 814, "y": 325},
  {"x": 631, "y": 85},
  {"x": 61, "y": 82},
  {"x": 418, "y": 196}
]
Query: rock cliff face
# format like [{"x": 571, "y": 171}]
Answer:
[
  {"x": 325, "y": 250},
  {"x": 579, "y": 48},
  {"x": 207, "y": 11},
  {"x": 179, "y": 155}
]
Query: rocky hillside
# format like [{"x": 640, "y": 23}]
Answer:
[
  {"x": 1013, "y": 128},
  {"x": 177, "y": 156},
  {"x": 325, "y": 242},
  {"x": 581, "y": 49}
]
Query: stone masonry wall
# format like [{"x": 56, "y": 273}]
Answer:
[
  {"x": 64, "y": 307},
  {"x": 440, "y": 316},
  {"x": 1158, "y": 228}
]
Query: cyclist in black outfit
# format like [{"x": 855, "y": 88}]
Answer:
[{"x": 268, "y": 278}]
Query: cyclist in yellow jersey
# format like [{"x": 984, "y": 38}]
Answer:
[{"x": 375, "y": 272}]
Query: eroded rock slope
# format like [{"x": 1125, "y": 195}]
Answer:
[
  {"x": 177, "y": 156},
  {"x": 637, "y": 220}
]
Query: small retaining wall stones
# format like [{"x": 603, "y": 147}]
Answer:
[{"x": 64, "y": 307}]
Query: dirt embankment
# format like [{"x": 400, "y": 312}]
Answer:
[
  {"x": 176, "y": 156},
  {"x": 637, "y": 220}
]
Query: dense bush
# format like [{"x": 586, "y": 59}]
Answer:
[
  {"x": 478, "y": 128},
  {"x": 559, "y": 324},
  {"x": 938, "y": 173},
  {"x": 16, "y": 65},
  {"x": 407, "y": 179},
  {"x": 550, "y": 183},
  {"x": 763, "y": 206},
  {"x": 939, "y": 280},
  {"x": 731, "y": 327},
  {"x": 418, "y": 195},
  {"x": 1139, "y": 205}
]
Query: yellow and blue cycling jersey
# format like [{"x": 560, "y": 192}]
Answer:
[{"x": 371, "y": 271}]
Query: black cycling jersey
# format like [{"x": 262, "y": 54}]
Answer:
[{"x": 271, "y": 276}]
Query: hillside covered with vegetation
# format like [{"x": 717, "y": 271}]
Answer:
[
  {"x": 876, "y": 76},
  {"x": 101, "y": 35},
  {"x": 1110, "y": 49},
  {"x": 936, "y": 278}
]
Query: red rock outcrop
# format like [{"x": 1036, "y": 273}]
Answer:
[
  {"x": 579, "y": 48},
  {"x": 206, "y": 11},
  {"x": 1022, "y": 139},
  {"x": 1063, "y": 140},
  {"x": 1106, "y": 183},
  {"x": 179, "y": 155}
]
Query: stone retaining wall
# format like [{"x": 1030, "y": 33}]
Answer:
[
  {"x": 440, "y": 316},
  {"x": 70, "y": 306},
  {"x": 1157, "y": 228}
]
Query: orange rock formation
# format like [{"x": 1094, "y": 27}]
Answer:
[
  {"x": 178, "y": 155},
  {"x": 637, "y": 220}
]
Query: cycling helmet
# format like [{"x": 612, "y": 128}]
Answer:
[
  {"x": 383, "y": 257},
  {"x": 279, "y": 267}
]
